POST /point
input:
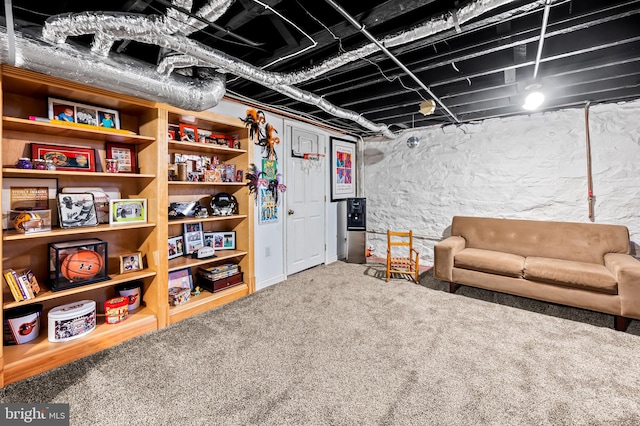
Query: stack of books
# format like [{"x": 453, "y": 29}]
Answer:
[
  {"x": 220, "y": 271},
  {"x": 22, "y": 283}
]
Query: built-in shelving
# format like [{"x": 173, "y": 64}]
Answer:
[{"x": 144, "y": 128}]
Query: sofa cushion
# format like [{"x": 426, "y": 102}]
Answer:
[
  {"x": 588, "y": 276},
  {"x": 492, "y": 262}
]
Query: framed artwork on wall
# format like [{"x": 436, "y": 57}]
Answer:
[{"x": 343, "y": 169}]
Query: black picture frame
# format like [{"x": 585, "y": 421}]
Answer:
[{"x": 77, "y": 210}]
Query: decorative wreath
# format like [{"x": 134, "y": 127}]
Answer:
[{"x": 256, "y": 180}]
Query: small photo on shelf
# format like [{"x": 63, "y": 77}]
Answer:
[
  {"x": 131, "y": 262},
  {"x": 188, "y": 133},
  {"x": 77, "y": 210},
  {"x": 193, "y": 237},
  {"x": 176, "y": 246},
  {"x": 225, "y": 240},
  {"x": 127, "y": 211},
  {"x": 124, "y": 154}
]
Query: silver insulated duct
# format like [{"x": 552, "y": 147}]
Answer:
[
  {"x": 117, "y": 73},
  {"x": 168, "y": 32}
]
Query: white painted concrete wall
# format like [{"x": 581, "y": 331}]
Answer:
[{"x": 530, "y": 167}]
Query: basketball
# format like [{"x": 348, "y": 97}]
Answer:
[
  {"x": 20, "y": 220},
  {"x": 82, "y": 265}
]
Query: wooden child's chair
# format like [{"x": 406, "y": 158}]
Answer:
[{"x": 407, "y": 265}]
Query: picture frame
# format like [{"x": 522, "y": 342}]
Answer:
[
  {"x": 343, "y": 169},
  {"x": 75, "y": 112},
  {"x": 193, "y": 237},
  {"x": 181, "y": 278},
  {"x": 188, "y": 133},
  {"x": 127, "y": 211},
  {"x": 77, "y": 210},
  {"x": 125, "y": 154},
  {"x": 131, "y": 262},
  {"x": 66, "y": 158},
  {"x": 222, "y": 240},
  {"x": 176, "y": 246},
  {"x": 29, "y": 192}
]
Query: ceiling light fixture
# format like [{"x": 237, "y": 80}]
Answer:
[{"x": 535, "y": 98}]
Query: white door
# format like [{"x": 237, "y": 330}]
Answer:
[{"x": 305, "y": 210}]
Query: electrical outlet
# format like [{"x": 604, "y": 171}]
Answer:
[{"x": 267, "y": 251}]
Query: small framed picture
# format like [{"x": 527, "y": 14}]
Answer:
[
  {"x": 181, "y": 278},
  {"x": 74, "y": 112},
  {"x": 124, "y": 154},
  {"x": 66, "y": 158},
  {"x": 176, "y": 246},
  {"x": 77, "y": 210},
  {"x": 193, "y": 237},
  {"x": 130, "y": 262},
  {"x": 188, "y": 133},
  {"x": 127, "y": 211},
  {"x": 225, "y": 240}
]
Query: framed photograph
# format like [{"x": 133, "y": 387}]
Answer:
[
  {"x": 181, "y": 278},
  {"x": 176, "y": 246},
  {"x": 225, "y": 240},
  {"x": 193, "y": 237},
  {"x": 188, "y": 133},
  {"x": 125, "y": 154},
  {"x": 20, "y": 193},
  {"x": 67, "y": 158},
  {"x": 343, "y": 169},
  {"x": 127, "y": 211},
  {"x": 74, "y": 112},
  {"x": 77, "y": 210},
  {"x": 130, "y": 262}
]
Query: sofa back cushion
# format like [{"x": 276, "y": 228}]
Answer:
[{"x": 583, "y": 242}]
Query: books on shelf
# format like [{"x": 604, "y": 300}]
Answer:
[
  {"x": 219, "y": 271},
  {"x": 22, "y": 283}
]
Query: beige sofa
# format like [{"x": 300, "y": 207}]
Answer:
[{"x": 583, "y": 265}]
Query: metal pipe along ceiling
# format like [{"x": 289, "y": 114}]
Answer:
[{"x": 164, "y": 31}]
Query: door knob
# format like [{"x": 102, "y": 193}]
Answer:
[{"x": 290, "y": 212}]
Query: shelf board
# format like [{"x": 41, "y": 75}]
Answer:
[
  {"x": 57, "y": 232},
  {"x": 207, "y": 219},
  {"x": 205, "y": 147},
  {"x": 12, "y": 171},
  {"x": 115, "y": 280},
  {"x": 57, "y": 129},
  {"x": 178, "y": 182},
  {"x": 205, "y": 301},
  {"x": 29, "y": 359},
  {"x": 187, "y": 262}
]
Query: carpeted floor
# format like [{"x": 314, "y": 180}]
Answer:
[{"x": 337, "y": 345}]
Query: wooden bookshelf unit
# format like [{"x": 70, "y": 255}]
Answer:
[{"x": 143, "y": 128}]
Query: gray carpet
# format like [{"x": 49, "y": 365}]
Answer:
[{"x": 337, "y": 345}]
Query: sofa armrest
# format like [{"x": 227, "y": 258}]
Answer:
[
  {"x": 443, "y": 254},
  {"x": 626, "y": 269}
]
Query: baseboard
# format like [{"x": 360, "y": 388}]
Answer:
[{"x": 271, "y": 281}]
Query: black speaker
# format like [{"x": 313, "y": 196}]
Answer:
[{"x": 356, "y": 214}]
